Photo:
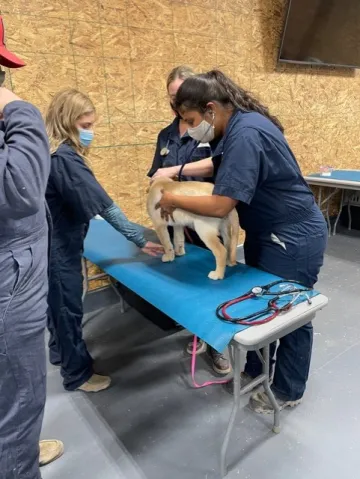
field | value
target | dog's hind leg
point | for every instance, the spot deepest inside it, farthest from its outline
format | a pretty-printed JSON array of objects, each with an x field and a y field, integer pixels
[
  {"x": 164, "y": 237},
  {"x": 210, "y": 236},
  {"x": 179, "y": 240},
  {"x": 230, "y": 232}
]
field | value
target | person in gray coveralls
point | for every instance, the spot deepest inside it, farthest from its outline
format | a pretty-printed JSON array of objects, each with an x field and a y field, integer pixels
[{"x": 24, "y": 170}]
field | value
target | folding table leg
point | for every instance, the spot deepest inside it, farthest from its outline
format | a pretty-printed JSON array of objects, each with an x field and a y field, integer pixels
[
  {"x": 236, "y": 405},
  {"x": 85, "y": 278},
  {"x": 121, "y": 299},
  {"x": 266, "y": 384},
  {"x": 349, "y": 215},
  {"x": 339, "y": 212}
]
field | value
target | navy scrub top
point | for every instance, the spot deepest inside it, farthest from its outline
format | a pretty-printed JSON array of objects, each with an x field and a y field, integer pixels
[
  {"x": 181, "y": 149},
  {"x": 74, "y": 197},
  {"x": 255, "y": 165}
]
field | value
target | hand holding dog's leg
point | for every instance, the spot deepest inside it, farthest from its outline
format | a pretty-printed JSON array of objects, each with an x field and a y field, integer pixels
[
  {"x": 164, "y": 237},
  {"x": 179, "y": 240}
]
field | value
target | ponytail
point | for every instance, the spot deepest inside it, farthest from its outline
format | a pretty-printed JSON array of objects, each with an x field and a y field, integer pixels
[{"x": 197, "y": 91}]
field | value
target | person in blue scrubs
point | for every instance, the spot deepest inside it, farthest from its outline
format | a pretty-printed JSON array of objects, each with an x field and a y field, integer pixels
[
  {"x": 75, "y": 197},
  {"x": 174, "y": 147},
  {"x": 24, "y": 171},
  {"x": 256, "y": 172}
]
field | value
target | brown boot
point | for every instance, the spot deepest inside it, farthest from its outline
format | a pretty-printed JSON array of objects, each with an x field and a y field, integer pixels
[
  {"x": 95, "y": 384},
  {"x": 50, "y": 451},
  {"x": 220, "y": 363}
]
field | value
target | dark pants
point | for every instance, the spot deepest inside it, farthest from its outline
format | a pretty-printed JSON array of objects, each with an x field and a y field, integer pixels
[
  {"x": 65, "y": 314},
  {"x": 23, "y": 292},
  {"x": 301, "y": 260}
]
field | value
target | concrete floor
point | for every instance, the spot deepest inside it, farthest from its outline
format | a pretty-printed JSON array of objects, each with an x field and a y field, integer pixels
[{"x": 151, "y": 425}]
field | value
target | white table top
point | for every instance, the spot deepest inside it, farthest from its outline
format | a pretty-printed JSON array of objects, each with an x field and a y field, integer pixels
[
  {"x": 257, "y": 337},
  {"x": 332, "y": 182}
]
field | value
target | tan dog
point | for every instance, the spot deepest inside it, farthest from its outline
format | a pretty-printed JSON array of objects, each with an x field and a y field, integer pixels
[{"x": 209, "y": 229}]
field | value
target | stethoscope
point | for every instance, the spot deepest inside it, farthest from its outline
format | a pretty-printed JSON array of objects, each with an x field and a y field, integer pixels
[
  {"x": 272, "y": 310},
  {"x": 165, "y": 150}
]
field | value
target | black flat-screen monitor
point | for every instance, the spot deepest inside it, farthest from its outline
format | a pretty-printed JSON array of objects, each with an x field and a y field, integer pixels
[{"x": 322, "y": 32}]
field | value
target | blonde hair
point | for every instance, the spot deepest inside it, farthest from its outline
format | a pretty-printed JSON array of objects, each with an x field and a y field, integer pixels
[
  {"x": 65, "y": 109},
  {"x": 181, "y": 72}
]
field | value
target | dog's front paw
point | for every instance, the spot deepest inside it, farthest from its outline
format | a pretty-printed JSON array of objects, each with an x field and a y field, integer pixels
[
  {"x": 168, "y": 257},
  {"x": 215, "y": 275},
  {"x": 180, "y": 250}
]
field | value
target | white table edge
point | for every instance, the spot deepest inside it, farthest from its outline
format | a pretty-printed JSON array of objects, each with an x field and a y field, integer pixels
[
  {"x": 323, "y": 181},
  {"x": 256, "y": 335}
]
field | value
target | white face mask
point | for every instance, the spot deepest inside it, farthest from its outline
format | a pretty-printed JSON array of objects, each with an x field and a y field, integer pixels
[{"x": 204, "y": 132}]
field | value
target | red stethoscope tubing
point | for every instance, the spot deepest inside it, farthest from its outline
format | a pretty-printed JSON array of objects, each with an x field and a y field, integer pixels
[
  {"x": 272, "y": 308},
  {"x": 247, "y": 322}
]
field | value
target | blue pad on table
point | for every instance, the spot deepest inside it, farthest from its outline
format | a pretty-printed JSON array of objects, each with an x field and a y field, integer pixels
[
  {"x": 180, "y": 289},
  {"x": 345, "y": 175}
]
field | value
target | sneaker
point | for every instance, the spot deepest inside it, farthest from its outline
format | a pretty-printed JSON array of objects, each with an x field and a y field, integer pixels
[
  {"x": 95, "y": 384},
  {"x": 50, "y": 451},
  {"x": 260, "y": 403},
  {"x": 220, "y": 363},
  {"x": 201, "y": 347},
  {"x": 245, "y": 379}
]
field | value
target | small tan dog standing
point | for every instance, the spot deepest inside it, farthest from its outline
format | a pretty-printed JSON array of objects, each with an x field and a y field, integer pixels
[{"x": 209, "y": 229}]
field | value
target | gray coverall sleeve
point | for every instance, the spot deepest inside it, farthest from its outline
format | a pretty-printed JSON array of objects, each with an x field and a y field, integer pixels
[{"x": 24, "y": 161}]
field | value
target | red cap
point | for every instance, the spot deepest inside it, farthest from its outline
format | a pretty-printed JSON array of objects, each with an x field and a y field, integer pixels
[{"x": 7, "y": 59}]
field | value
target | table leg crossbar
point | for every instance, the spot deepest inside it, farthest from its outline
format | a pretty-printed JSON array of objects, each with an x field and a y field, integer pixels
[
  {"x": 88, "y": 278},
  {"x": 324, "y": 205},
  {"x": 264, "y": 379}
]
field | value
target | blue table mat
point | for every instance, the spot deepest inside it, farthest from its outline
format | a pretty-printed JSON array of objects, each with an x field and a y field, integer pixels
[
  {"x": 180, "y": 289},
  {"x": 346, "y": 175}
]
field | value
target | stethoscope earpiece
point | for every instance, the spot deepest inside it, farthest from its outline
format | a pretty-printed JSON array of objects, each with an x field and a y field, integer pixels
[{"x": 164, "y": 151}]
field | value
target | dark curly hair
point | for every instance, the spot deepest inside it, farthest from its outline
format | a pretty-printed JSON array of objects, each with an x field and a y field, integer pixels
[{"x": 198, "y": 90}]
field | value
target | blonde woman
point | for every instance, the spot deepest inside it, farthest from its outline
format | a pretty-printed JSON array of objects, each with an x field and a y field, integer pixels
[
  {"x": 175, "y": 147},
  {"x": 74, "y": 197}
]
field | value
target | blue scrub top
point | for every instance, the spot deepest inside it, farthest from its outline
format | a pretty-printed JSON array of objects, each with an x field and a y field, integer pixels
[
  {"x": 74, "y": 197},
  {"x": 255, "y": 165},
  {"x": 181, "y": 149}
]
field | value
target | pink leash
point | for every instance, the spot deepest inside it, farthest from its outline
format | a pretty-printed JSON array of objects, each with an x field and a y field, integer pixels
[{"x": 193, "y": 369}]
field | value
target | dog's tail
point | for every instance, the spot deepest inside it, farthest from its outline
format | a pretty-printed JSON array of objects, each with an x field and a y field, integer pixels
[{"x": 154, "y": 195}]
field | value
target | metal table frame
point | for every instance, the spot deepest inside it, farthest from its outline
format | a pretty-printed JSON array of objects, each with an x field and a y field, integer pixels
[
  {"x": 346, "y": 188},
  {"x": 256, "y": 339},
  {"x": 87, "y": 279},
  {"x": 259, "y": 339}
]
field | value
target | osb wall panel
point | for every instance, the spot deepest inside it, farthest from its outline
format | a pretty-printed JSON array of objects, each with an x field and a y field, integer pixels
[{"x": 120, "y": 51}]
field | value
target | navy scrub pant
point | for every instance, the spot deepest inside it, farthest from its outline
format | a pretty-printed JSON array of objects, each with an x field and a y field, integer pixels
[
  {"x": 300, "y": 258},
  {"x": 23, "y": 305},
  {"x": 65, "y": 314}
]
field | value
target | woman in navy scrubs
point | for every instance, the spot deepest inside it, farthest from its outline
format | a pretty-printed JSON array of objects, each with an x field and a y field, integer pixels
[
  {"x": 174, "y": 147},
  {"x": 257, "y": 173},
  {"x": 75, "y": 197}
]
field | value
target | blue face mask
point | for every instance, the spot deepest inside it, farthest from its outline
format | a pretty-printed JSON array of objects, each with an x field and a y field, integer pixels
[{"x": 86, "y": 137}]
